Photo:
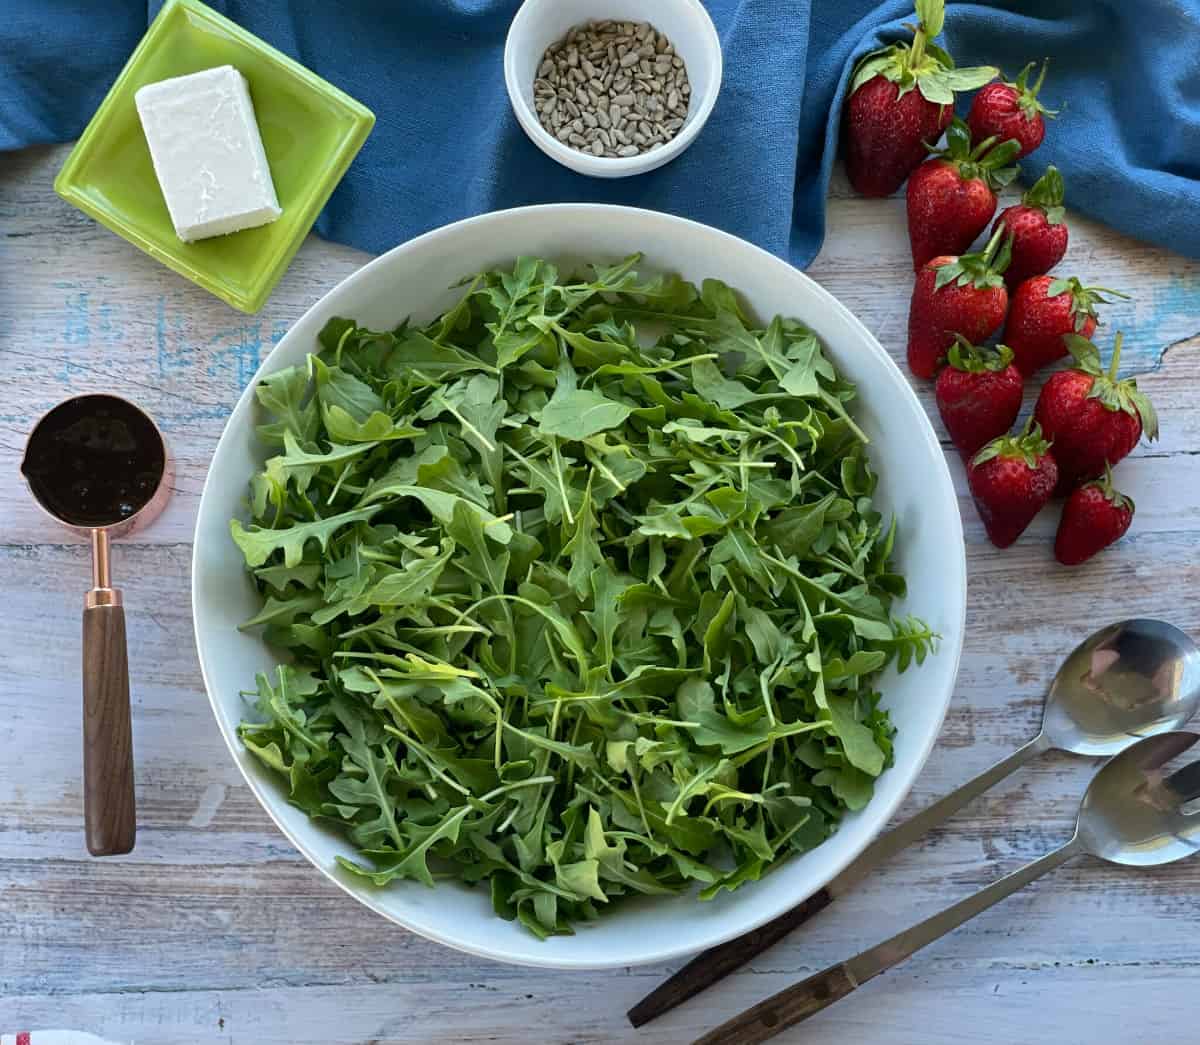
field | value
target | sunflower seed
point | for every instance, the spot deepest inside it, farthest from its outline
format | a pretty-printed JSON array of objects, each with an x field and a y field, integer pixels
[{"x": 612, "y": 88}]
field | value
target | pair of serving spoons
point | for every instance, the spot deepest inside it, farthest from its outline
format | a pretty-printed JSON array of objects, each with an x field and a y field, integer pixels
[{"x": 1122, "y": 693}]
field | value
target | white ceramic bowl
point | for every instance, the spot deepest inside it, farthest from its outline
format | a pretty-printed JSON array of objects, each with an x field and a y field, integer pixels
[
  {"x": 539, "y": 23},
  {"x": 914, "y": 483}
]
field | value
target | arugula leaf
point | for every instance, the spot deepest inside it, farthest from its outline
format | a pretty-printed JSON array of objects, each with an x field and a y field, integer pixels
[
  {"x": 337, "y": 387},
  {"x": 258, "y": 544},
  {"x": 576, "y": 413},
  {"x": 285, "y": 395}
]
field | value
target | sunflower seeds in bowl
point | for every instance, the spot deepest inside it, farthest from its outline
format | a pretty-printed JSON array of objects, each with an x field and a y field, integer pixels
[{"x": 612, "y": 88}]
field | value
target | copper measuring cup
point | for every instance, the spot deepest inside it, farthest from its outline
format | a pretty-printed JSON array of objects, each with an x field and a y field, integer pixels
[{"x": 99, "y": 465}]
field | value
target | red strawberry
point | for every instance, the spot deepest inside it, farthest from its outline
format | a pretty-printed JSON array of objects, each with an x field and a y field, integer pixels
[
  {"x": 901, "y": 99},
  {"x": 1038, "y": 230},
  {"x": 1043, "y": 309},
  {"x": 1094, "y": 517},
  {"x": 978, "y": 395},
  {"x": 952, "y": 197},
  {"x": 1011, "y": 479},
  {"x": 1093, "y": 418},
  {"x": 963, "y": 295},
  {"x": 887, "y": 133},
  {"x": 1011, "y": 110}
]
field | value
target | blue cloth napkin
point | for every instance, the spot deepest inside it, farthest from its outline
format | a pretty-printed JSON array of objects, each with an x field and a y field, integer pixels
[{"x": 446, "y": 144}]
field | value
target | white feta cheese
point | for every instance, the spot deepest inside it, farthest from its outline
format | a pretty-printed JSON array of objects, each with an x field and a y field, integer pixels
[{"x": 207, "y": 153}]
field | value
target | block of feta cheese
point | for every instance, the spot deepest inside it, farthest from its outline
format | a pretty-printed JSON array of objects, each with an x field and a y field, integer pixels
[{"x": 207, "y": 153}]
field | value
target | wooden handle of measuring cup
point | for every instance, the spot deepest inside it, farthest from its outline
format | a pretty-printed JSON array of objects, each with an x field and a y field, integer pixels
[{"x": 108, "y": 801}]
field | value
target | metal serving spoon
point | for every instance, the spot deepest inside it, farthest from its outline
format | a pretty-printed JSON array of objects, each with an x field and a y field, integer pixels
[
  {"x": 1133, "y": 813},
  {"x": 1132, "y": 679}
]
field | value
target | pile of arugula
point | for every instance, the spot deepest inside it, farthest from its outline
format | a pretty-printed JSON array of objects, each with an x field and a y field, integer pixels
[{"x": 583, "y": 589}]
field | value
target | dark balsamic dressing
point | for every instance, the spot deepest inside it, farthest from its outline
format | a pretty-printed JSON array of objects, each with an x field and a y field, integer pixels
[{"x": 94, "y": 460}]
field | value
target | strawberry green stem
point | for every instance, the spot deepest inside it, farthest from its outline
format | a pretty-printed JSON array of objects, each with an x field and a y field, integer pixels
[
  {"x": 983, "y": 147},
  {"x": 1041, "y": 78},
  {"x": 917, "y": 51},
  {"x": 1116, "y": 356},
  {"x": 930, "y": 17},
  {"x": 989, "y": 252}
]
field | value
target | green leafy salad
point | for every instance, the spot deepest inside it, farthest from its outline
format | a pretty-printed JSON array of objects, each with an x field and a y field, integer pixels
[{"x": 582, "y": 588}]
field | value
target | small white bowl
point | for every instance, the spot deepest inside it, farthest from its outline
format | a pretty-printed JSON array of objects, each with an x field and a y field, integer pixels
[{"x": 540, "y": 23}]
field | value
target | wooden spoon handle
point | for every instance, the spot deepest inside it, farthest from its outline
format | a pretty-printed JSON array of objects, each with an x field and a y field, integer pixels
[
  {"x": 718, "y": 962},
  {"x": 788, "y": 1007},
  {"x": 108, "y": 801}
]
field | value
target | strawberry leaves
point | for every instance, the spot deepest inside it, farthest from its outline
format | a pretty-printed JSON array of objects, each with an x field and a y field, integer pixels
[
  {"x": 987, "y": 160},
  {"x": 932, "y": 15},
  {"x": 1123, "y": 395},
  {"x": 1028, "y": 445},
  {"x": 975, "y": 359},
  {"x": 1083, "y": 299},
  {"x": 1047, "y": 194},
  {"x": 982, "y": 270},
  {"x": 922, "y": 64},
  {"x": 1109, "y": 491},
  {"x": 1027, "y": 97}
]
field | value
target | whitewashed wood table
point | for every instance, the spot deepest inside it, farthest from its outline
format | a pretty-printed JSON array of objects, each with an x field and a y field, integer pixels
[{"x": 215, "y": 930}]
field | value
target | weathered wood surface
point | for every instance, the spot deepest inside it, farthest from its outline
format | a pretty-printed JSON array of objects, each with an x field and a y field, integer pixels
[{"x": 215, "y": 930}]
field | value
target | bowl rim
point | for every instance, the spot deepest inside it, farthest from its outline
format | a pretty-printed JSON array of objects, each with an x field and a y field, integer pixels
[
  {"x": 611, "y": 166},
  {"x": 664, "y": 951}
]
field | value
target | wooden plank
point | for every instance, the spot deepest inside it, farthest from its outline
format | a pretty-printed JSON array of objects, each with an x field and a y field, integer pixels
[
  {"x": 934, "y": 1007},
  {"x": 215, "y": 918}
]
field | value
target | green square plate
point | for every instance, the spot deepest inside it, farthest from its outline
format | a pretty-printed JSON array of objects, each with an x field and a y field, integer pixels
[{"x": 310, "y": 130}]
